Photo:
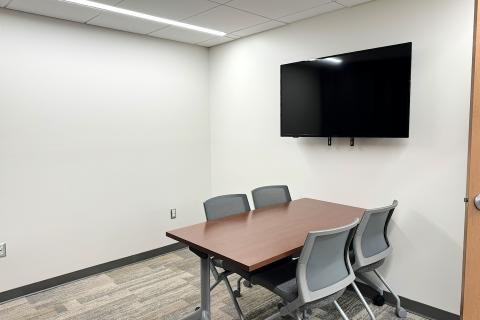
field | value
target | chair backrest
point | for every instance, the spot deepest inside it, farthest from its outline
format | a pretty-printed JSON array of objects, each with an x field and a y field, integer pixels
[
  {"x": 371, "y": 243},
  {"x": 270, "y": 195},
  {"x": 324, "y": 266},
  {"x": 227, "y": 205}
]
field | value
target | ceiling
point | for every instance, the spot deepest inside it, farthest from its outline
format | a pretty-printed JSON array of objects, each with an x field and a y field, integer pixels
[{"x": 238, "y": 18}]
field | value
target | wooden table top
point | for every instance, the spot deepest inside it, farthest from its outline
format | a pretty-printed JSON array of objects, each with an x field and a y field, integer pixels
[{"x": 257, "y": 238}]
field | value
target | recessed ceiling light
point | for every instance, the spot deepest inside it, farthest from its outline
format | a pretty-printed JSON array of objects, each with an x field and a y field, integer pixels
[{"x": 144, "y": 16}]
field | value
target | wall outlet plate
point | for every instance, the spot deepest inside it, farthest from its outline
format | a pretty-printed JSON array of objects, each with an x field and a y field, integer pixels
[
  {"x": 173, "y": 213},
  {"x": 3, "y": 249}
]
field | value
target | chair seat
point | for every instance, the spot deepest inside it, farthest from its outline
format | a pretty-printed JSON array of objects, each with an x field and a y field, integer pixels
[
  {"x": 234, "y": 268},
  {"x": 280, "y": 279},
  {"x": 369, "y": 267},
  {"x": 219, "y": 263},
  {"x": 231, "y": 268}
]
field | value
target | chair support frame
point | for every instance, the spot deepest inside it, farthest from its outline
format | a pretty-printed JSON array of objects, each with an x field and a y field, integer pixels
[{"x": 362, "y": 263}]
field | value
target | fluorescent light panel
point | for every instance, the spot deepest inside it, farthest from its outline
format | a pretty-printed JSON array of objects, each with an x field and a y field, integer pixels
[{"x": 140, "y": 15}]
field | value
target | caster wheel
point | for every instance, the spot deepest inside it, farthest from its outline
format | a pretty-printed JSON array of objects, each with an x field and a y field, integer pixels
[
  {"x": 237, "y": 294},
  {"x": 247, "y": 284},
  {"x": 379, "y": 300},
  {"x": 401, "y": 313},
  {"x": 197, "y": 308}
]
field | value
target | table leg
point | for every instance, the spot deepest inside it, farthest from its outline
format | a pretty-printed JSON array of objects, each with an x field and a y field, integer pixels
[{"x": 204, "y": 312}]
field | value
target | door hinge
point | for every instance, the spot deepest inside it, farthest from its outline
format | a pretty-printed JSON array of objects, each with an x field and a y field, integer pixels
[{"x": 465, "y": 200}]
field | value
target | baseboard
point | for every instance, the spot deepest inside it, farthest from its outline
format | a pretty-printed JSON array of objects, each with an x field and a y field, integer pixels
[
  {"x": 76, "y": 275},
  {"x": 418, "y": 308}
]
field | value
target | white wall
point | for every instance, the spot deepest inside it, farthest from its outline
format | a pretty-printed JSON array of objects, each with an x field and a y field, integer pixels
[
  {"x": 426, "y": 173},
  {"x": 101, "y": 133}
]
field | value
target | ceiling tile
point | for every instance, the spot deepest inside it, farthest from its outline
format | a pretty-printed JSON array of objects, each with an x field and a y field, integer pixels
[
  {"x": 258, "y": 28},
  {"x": 233, "y": 36},
  {"x": 181, "y": 34},
  {"x": 275, "y": 8},
  {"x": 57, "y": 9},
  {"x": 171, "y": 9},
  {"x": 215, "y": 41},
  {"x": 226, "y": 19},
  {"x": 351, "y": 3},
  {"x": 311, "y": 12},
  {"x": 109, "y": 2},
  {"x": 125, "y": 23}
]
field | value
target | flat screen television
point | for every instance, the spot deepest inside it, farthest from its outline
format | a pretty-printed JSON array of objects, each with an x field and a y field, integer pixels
[{"x": 358, "y": 94}]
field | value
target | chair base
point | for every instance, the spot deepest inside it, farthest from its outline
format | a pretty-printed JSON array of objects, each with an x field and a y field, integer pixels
[
  {"x": 237, "y": 293},
  {"x": 379, "y": 300},
  {"x": 219, "y": 277},
  {"x": 401, "y": 313},
  {"x": 342, "y": 313},
  {"x": 303, "y": 312},
  {"x": 362, "y": 299}
]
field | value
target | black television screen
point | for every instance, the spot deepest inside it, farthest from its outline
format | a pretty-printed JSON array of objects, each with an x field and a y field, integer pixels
[{"x": 358, "y": 94}]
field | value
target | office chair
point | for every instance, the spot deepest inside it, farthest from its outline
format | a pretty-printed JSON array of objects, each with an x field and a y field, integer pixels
[
  {"x": 270, "y": 195},
  {"x": 220, "y": 207},
  {"x": 370, "y": 249},
  {"x": 318, "y": 278}
]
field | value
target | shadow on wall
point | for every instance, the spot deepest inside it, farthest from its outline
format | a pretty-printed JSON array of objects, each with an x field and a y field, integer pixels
[
  {"x": 359, "y": 142},
  {"x": 436, "y": 239}
]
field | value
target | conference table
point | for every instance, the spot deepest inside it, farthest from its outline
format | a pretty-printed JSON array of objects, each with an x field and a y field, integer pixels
[{"x": 255, "y": 239}]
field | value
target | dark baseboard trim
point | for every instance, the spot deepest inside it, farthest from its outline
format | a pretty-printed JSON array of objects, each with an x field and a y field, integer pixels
[
  {"x": 418, "y": 308},
  {"x": 76, "y": 275}
]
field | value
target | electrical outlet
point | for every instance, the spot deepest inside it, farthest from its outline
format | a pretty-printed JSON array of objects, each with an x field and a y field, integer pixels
[
  {"x": 3, "y": 249},
  {"x": 173, "y": 213}
]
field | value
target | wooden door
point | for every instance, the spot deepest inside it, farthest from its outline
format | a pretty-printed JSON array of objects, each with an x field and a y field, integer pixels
[{"x": 470, "y": 309}]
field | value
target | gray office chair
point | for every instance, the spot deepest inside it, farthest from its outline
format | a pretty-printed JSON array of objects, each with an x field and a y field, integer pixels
[
  {"x": 270, "y": 195},
  {"x": 318, "y": 278},
  {"x": 220, "y": 207},
  {"x": 371, "y": 247}
]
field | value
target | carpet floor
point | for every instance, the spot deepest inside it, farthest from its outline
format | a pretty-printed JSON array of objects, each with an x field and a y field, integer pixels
[{"x": 162, "y": 288}]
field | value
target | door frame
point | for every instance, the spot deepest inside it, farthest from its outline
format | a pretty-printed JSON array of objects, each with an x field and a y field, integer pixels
[{"x": 470, "y": 303}]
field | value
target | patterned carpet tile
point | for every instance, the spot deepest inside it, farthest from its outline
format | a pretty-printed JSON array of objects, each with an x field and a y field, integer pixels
[{"x": 162, "y": 288}]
